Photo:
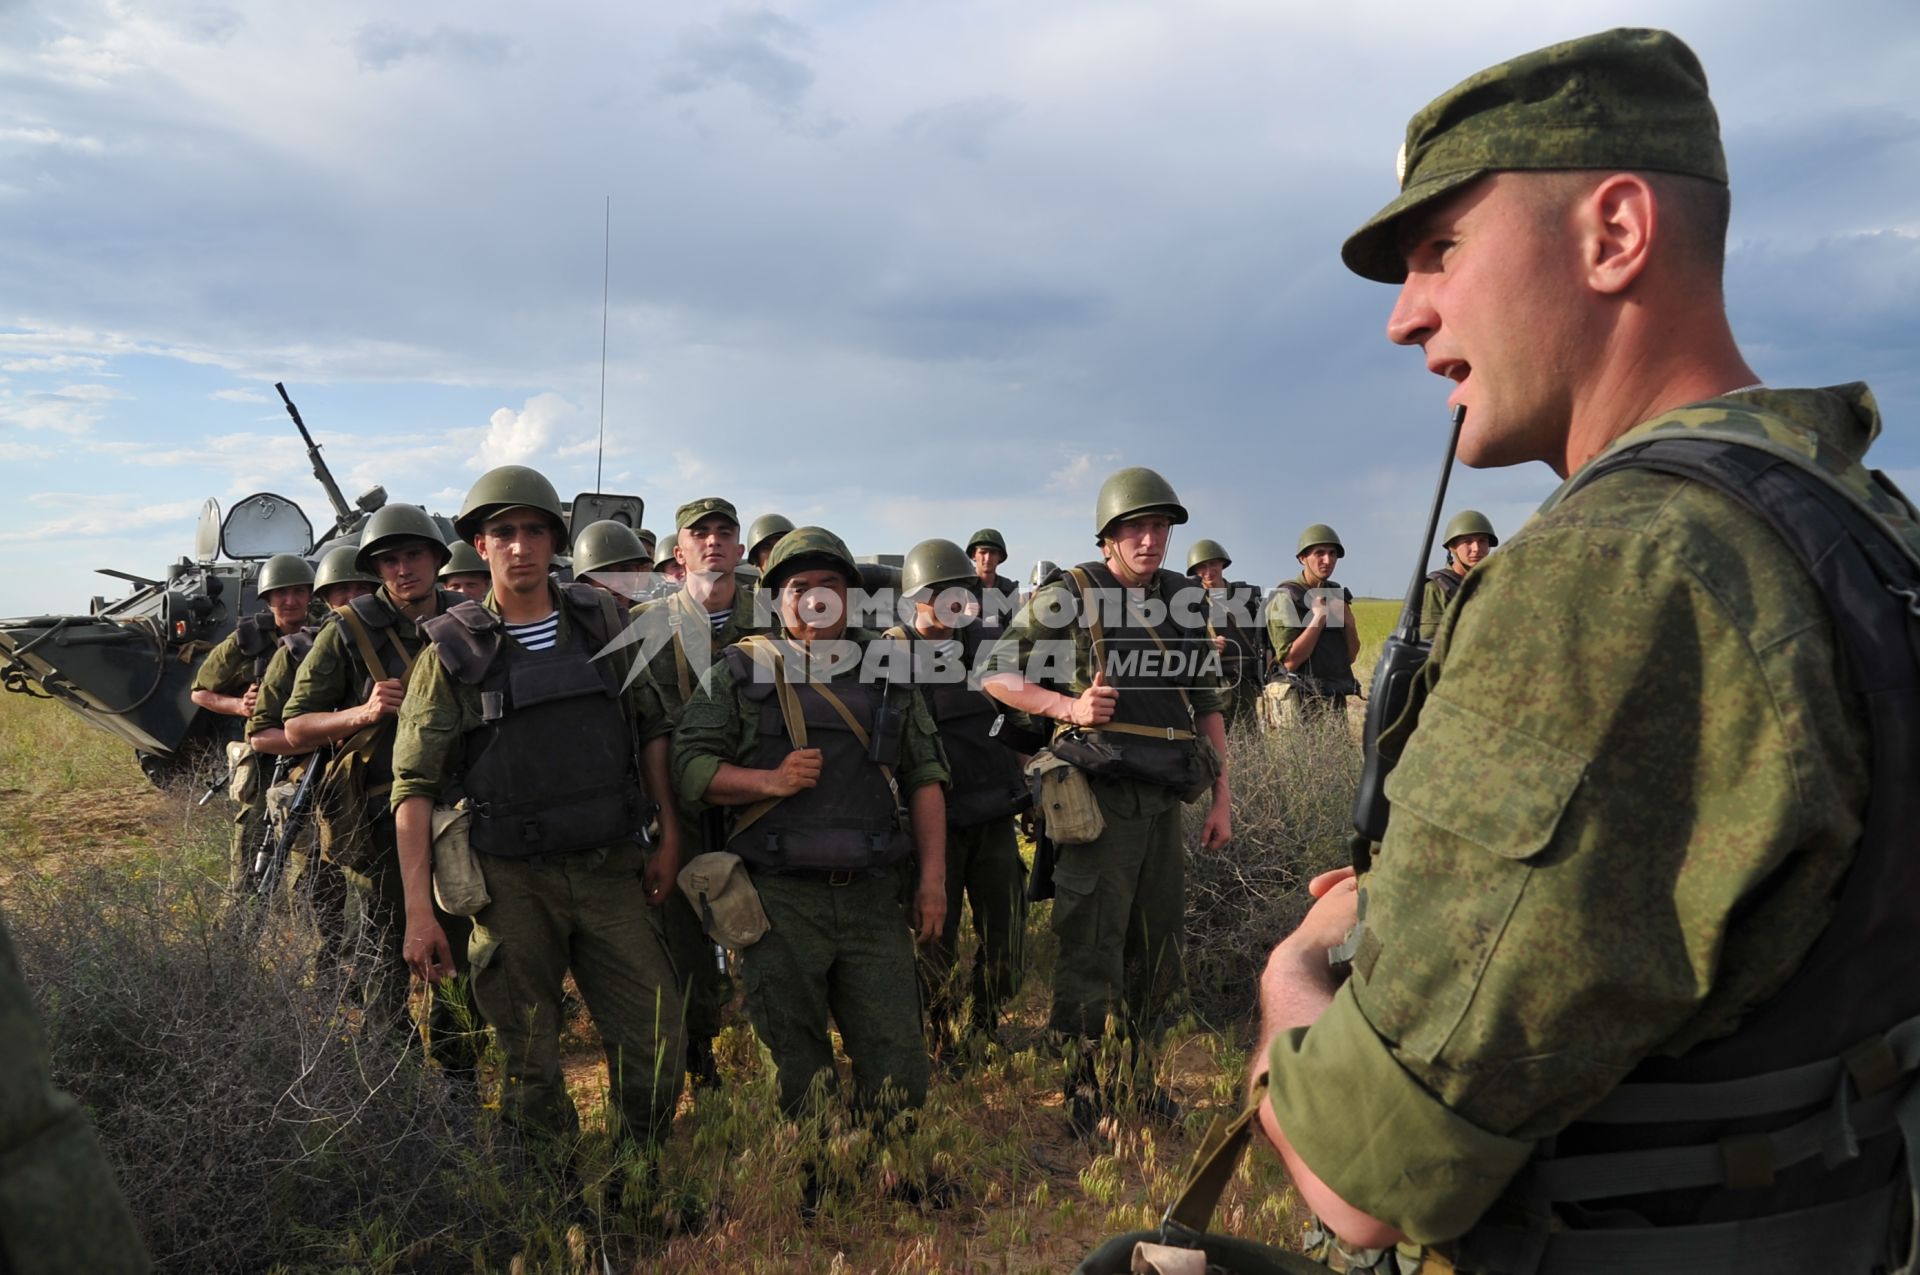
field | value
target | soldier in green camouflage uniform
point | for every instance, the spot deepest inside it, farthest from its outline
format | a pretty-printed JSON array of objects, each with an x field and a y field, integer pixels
[
  {"x": 682, "y": 635},
  {"x": 338, "y": 581},
  {"x": 60, "y": 1209},
  {"x": 1468, "y": 540},
  {"x": 339, "y": 698},
  {"x": 1120, "y": 905},
  {"x": 763, "y": 536},
  {"x": 1311, "y": 626},
  {"x": 1243, "y": 649},
  {"x": 825, "y": 832},
  {"x": 515, "y": 713},
  {"x": 228, "y": 683},
  {"x": 986, "y": 793},
  {"x": 1633, "y": 779}
]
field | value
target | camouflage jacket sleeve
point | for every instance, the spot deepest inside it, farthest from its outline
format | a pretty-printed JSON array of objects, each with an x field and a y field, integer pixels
[
  {"x": 1044, "y": 643},
  {"x": 1433, "y": 604},
  {"x": 1630, "y": 792},
  {"x": 922, "y": 760},
  {"x": 717, "y": 725},
  {"x": 275, "y": 685},
  {"x": 430, "y": 735},
  {"x": 60, "y": 1208},
  {"x": 225, "y": 671},
  {"x": 326, "y": 681}
]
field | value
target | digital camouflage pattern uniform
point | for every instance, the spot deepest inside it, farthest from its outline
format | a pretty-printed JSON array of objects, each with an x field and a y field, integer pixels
[
  {"x": 334, "y": 676},
  {"x": 1656, "y": 678},
  {"x": 1119, "y": 908},
  {"x": 580, "y": 911},
  {"x": 840, "y": 949},
  {"x": 229, "y": 670},
  {"x": 708, "y": 987},
  {"x": 60, "y": 1209}
]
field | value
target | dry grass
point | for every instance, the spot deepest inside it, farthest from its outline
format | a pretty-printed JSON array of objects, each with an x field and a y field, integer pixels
[{"x": 257, "y": 1128}]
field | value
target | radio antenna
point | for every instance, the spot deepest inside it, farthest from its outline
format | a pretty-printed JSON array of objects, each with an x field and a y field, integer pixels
[{"x": 606, "y": 273}]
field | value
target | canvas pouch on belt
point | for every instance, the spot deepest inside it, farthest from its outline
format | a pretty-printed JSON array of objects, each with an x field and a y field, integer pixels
[
  {"x": 717, "y": 885},
  {"x": 244, "y": 764},
  {"x": 458, "y": 885},
  {"x": 1064, "y": 799}
]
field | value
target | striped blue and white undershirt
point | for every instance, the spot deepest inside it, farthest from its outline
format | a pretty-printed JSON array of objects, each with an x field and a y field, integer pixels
[{"x": 539, "y": 635}]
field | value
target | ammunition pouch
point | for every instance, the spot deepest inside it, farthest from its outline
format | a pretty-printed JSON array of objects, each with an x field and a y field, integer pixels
[
  {"x": 1168, "y": 763},
  {"x": 243, "y": 785},
  {"x": 1065, "y": 800},
  {"x": 459, "y": 887},
  {"x": 722, "y": 894}
]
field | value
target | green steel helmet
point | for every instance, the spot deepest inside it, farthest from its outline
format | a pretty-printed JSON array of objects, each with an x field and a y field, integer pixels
[
  {"x": 1320, "y": 534},
  {"x": 663, "y": 558},
  {"x": 392, "y": 524},
  {"x": 466, "y": 561},
  {"x": 340, "y": 566},
  {"x": 605, "y": 544},
  {"x": 282, "y": 571},
  {"x": 985, "y": 536},
  {"x": 512, "y": 487},
  {"x": 1470, "y": 522},
  {"x": 1207, "y": 551},
  {"x": 766, "y": 527},
  {"x": 933, "y": 563},
  {"x": 809, "y": 548},
  {"x": 1132, "y": 492},
  {"x": 647, "y": 541}
]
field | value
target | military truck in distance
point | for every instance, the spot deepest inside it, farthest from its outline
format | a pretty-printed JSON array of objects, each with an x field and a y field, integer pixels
[{"x": 127, "y": 666}]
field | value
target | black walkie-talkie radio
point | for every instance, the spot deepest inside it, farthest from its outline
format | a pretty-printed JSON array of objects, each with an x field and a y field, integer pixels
[{"x": 1400, "y": 662}]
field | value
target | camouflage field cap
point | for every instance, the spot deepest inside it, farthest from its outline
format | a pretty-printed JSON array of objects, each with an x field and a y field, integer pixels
[
  {"x": 1623, "y": 99},
  {"x": 694, "y": 510},
  {"x": 807, "y": 549}
]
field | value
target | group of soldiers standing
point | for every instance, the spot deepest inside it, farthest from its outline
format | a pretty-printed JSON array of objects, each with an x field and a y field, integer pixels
[{"x": 559, "y": 723}]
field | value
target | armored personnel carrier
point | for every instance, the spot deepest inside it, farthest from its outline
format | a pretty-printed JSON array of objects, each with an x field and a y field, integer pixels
[{"x": 127, "y": 666}]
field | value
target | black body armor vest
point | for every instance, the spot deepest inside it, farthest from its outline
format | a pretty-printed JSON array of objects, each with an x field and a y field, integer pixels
[
  {"x": 851, "y": 821},
  {"x": 987, "y": 783},
  {"x": 555, "y": 767},
  {"x": 256, "y": 636},
  {"x": 1327, "y": 671},
  {"x": 1447, "y": 582}
]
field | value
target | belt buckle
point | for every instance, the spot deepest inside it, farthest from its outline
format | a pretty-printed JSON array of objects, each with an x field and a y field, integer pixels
[{"x": 840, "y": 876}]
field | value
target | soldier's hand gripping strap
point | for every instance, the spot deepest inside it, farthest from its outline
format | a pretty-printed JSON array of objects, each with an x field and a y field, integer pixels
[
  {"x": 765, "y": 653},
  {"x": 1097, "y": 640},
  {"x": 467, "y": 639}
]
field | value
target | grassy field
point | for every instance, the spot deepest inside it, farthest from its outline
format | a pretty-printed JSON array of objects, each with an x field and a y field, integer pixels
[{"x": 256, "y": 1129}]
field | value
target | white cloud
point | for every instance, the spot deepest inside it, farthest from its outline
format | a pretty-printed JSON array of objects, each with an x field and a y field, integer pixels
[
  {"x": 240, "y": 396},
  {"x": 92, "y": 515},
  {"x": 53, "y": 137},
  {"x": 56, "y": 363},
  {"x": 70, "y": 409},
  {"x": 517, "y": 438}
]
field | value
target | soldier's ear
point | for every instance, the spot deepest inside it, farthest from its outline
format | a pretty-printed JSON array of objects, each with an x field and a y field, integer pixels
[{"x": 1616, "y": 224}]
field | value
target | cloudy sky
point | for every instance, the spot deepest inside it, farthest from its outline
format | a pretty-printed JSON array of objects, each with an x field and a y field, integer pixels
[{"x": 903, "y": 269}]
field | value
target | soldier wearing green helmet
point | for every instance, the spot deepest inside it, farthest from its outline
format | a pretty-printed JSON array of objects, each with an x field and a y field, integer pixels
[
  {"x": 1115, "y": 654},
  {"x": 686, "y": 632},
  {"x": 337, "y": 582},
  {"x": 464, "y": 573},
  {"x": 346, "y": 695},
  {"x": 547, "y": 734},
  {"x": 985, "y": 795},
  {"x": 832, "y": 781},
  {"x": 608, "y": 555},
  {"x": 1468, "y": 540},
  {"x": 228, "y": 683},
  {"x": 1317, "y": 665},
  {"x": 763, "y": 535},
  {"x": 1242, "y": 645},
  {"x": 1650, "y": 856},
  {"x": 999, "y": 596}
]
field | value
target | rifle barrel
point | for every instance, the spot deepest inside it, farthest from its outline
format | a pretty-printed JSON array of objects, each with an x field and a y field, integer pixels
[{"x": 343, "y": 512}]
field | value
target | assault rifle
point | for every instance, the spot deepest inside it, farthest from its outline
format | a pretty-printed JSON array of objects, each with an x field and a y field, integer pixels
[
  {"x": 1400, "y": 661},
  {"x": 271, "y": 865}
]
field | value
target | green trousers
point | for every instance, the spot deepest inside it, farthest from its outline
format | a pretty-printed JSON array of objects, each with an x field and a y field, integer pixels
[
  {"x": 705, "y": 987},
  {"x": 984, "y": 870},
  {"x": 452, "y": 1032},
  {"x": 845, "y": 951},
  {"x": 1119, "y": 912},
  {"x": 584, "y": 912}
]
